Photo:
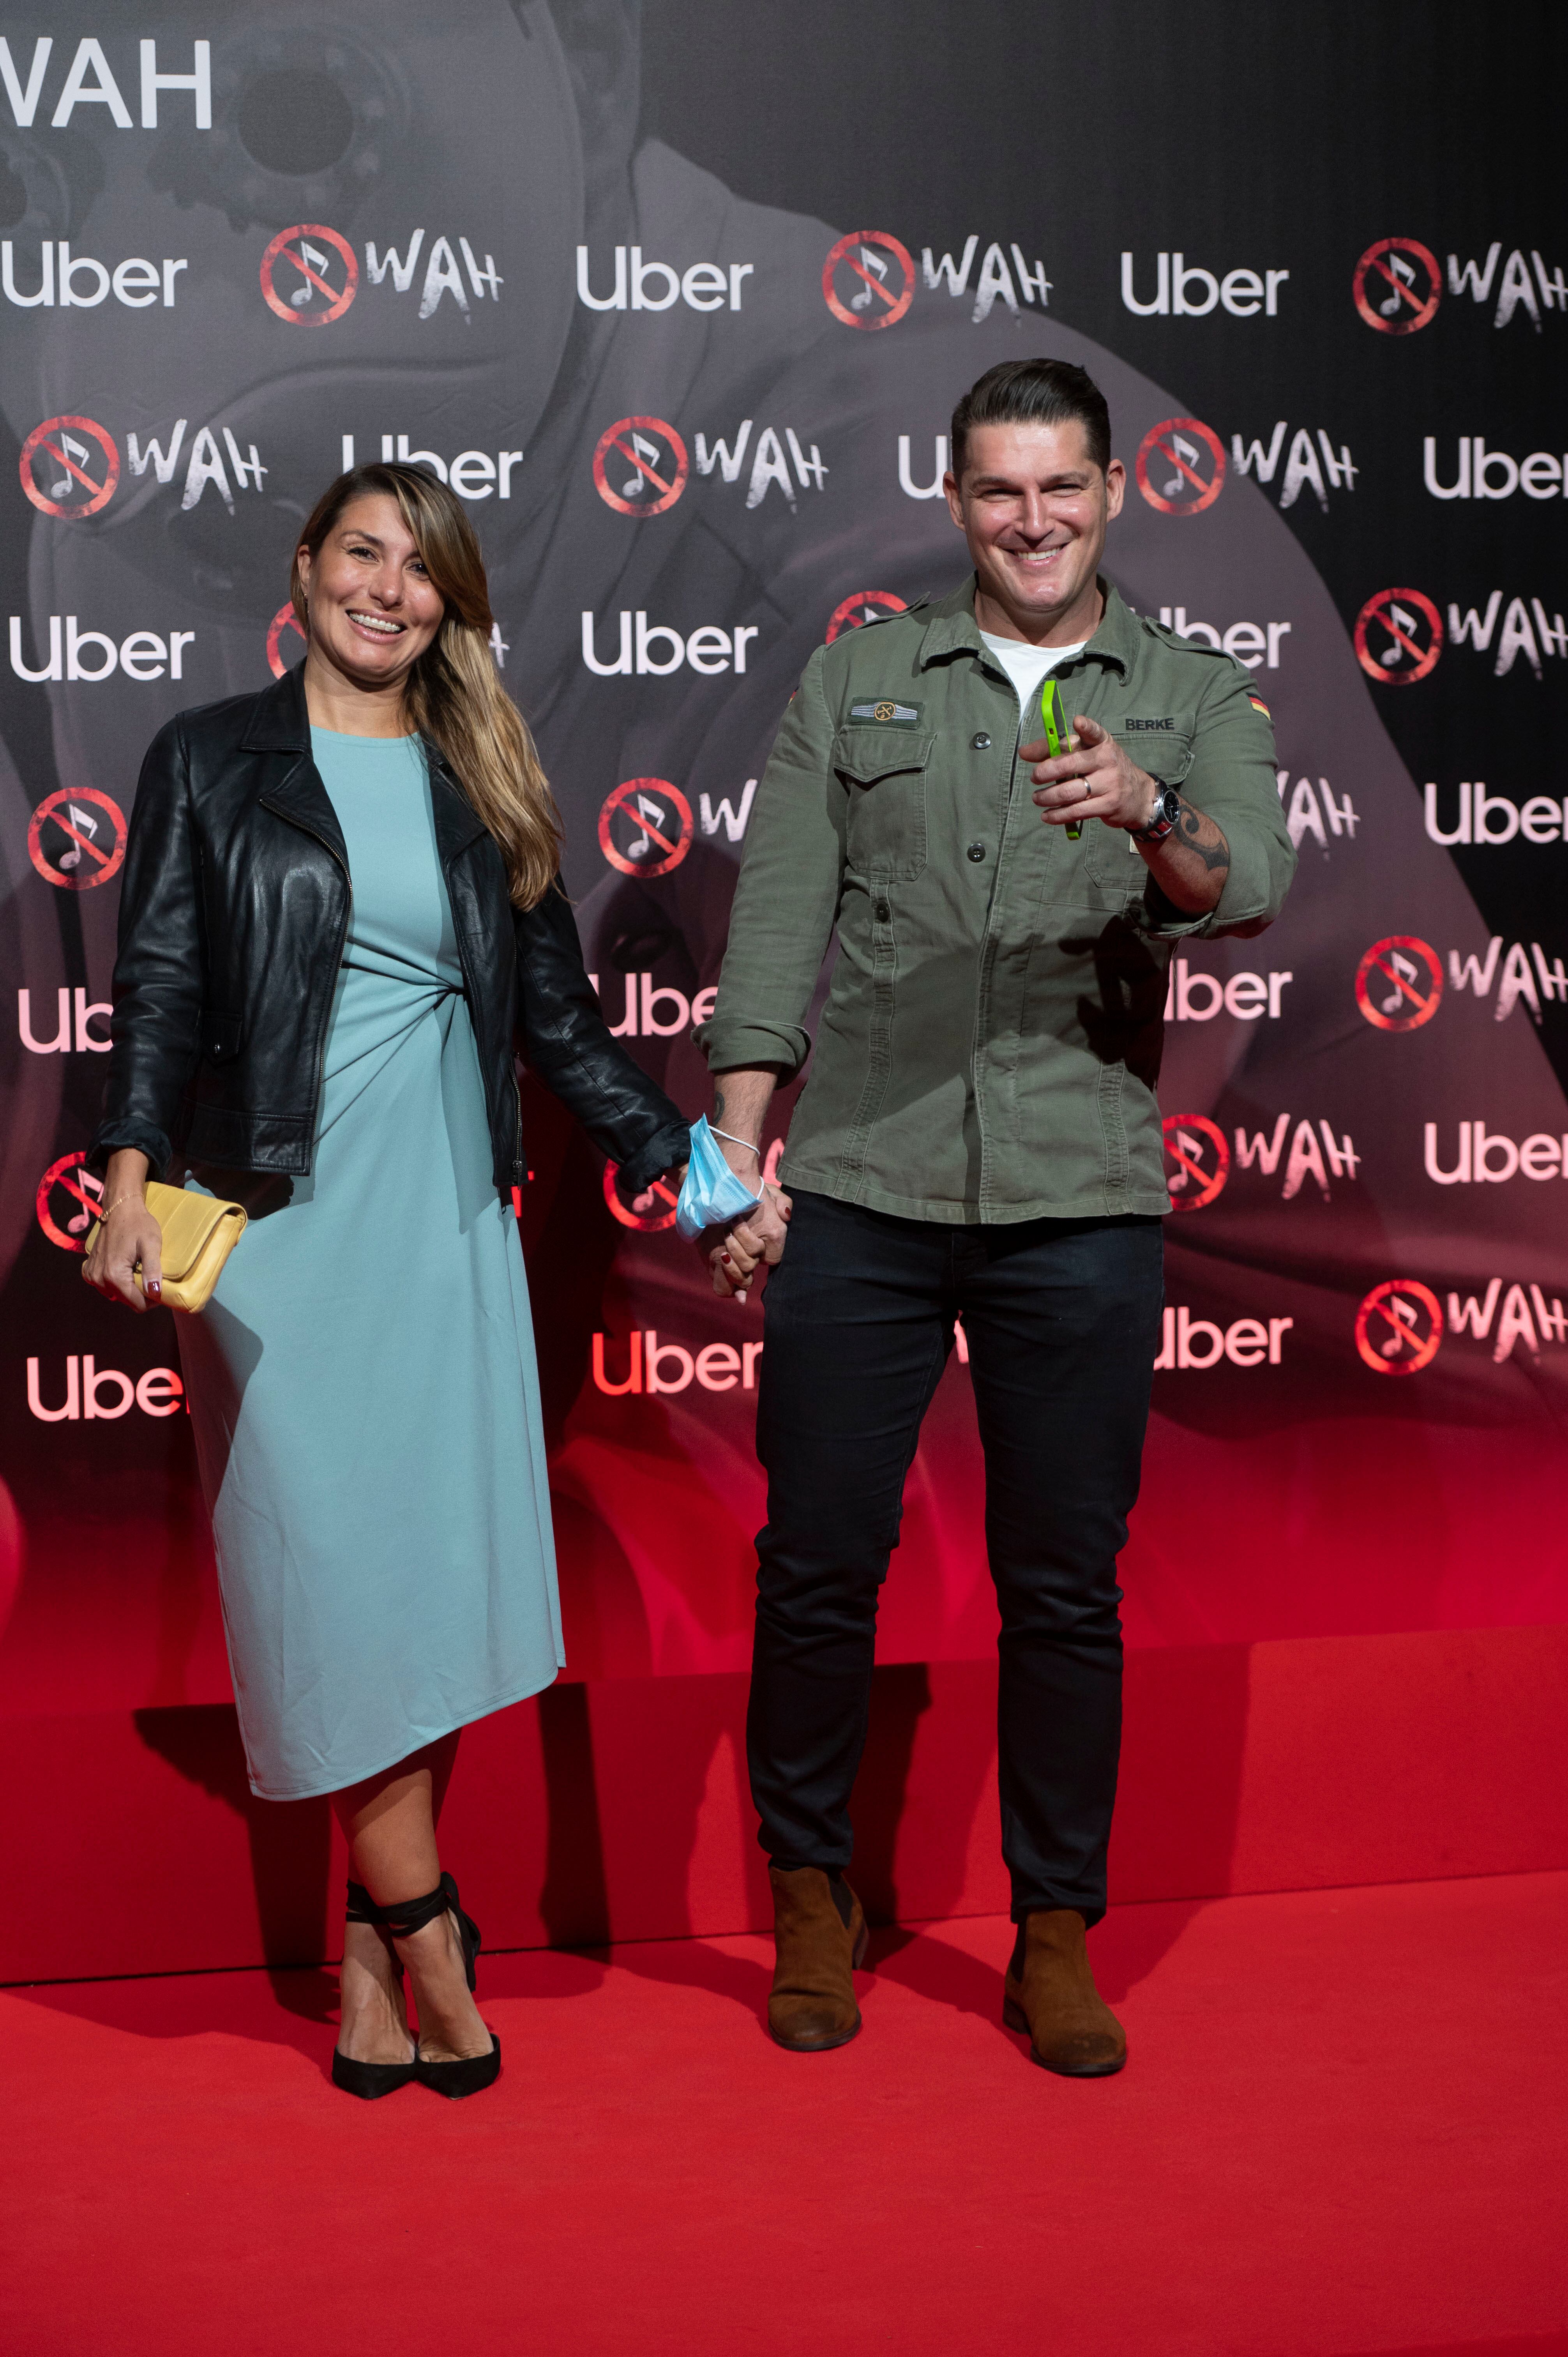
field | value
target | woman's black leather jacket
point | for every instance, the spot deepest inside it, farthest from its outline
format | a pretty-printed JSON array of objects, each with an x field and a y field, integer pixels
[{"x": 233, "y": 912}]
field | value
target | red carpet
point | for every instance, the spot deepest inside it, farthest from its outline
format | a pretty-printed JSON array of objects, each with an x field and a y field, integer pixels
[{"x": 1342, "y": 2132}]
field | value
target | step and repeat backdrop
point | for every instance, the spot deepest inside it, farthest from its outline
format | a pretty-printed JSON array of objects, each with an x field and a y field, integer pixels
[{"x": 698, "y": 434}]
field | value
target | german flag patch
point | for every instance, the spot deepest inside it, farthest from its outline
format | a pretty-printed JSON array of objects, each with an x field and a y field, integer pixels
[{"x": 1258, "y": 704}]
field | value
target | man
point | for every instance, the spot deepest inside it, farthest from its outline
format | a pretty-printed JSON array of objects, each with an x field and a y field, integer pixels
[{"x": 980, "y": 1138}]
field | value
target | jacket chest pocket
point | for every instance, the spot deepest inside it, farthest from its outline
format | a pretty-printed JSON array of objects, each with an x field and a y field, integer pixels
[
  {"x": 1164, "y": 754},
  {"x": 884, "y": 770}
]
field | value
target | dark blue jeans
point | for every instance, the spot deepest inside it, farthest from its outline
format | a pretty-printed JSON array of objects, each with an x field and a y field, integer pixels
[{"x": 1062, "y": 1320}]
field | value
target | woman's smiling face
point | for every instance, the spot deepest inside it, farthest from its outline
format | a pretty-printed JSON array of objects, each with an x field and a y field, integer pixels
[{"x": 373, "y": 607}]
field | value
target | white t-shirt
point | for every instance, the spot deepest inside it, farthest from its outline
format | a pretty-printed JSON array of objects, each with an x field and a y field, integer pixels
[{"x": 1029, "y": 667}]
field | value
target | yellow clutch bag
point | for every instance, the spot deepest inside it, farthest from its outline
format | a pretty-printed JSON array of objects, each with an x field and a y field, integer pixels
[{"x": 200, "y": 1234}]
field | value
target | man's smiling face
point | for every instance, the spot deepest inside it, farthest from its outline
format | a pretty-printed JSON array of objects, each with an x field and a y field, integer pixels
[{"x": 1034, "y": 508}]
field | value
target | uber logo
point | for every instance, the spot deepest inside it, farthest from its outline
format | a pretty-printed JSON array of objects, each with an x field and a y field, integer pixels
[
  {"x": 1244, "y": 995},
  {"x": 143, "y": 655},
  {"x": 134, "y": 282},
  {"x": 702, "y": 285},
  {"x": 1242, "y": 292},
  {"x": 642, "y": 1015},
  {"x": 1486, "y": 1155},
  {"x": 1493, "y": 818},
  {"x": 1541, "y": 476},
  {"x": 656, "y": 1366},
  {"x": 67, "y": 1003},
  {"x": 159, "y": 1391},
  {"x": 707, "y": 648},
  {"x": 1250, "y": 643},
  {"x": 1189, "y": 1343},
  {"x": 104, "y": 90},
  {"x": 472, "y": 474}
]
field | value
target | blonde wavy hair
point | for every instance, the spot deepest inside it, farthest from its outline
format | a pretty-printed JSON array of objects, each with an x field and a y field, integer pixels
[{"x": 453, "y": 695}]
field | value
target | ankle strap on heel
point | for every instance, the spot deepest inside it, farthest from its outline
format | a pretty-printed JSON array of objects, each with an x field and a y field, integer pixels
[
  {"x": 403, "y": 1916},
  {"x": 409, "y": 1915}
]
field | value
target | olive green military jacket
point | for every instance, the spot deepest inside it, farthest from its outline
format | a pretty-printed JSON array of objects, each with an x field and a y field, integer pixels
[{"x": 991, "y": 1042}]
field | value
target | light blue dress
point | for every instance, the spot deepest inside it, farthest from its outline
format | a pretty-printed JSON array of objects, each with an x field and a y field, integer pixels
[{"x": 362, "y": 1383}]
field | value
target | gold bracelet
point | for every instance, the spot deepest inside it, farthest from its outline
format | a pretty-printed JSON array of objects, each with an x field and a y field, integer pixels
[{"x": 105, "y": 1209}]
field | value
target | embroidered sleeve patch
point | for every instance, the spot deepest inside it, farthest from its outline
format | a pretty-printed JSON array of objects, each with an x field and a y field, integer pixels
[
  {"x": 887, "y": 711},
  {"x": 1259, "y": 706}
]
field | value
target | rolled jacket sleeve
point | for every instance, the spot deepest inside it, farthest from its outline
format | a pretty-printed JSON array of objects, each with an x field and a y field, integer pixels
[
  {"x": 788, "y": 897},
  {"x": 1232, "y": 778}
]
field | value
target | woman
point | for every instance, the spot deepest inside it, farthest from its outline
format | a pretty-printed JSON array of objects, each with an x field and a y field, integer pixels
[{"x": 341, "y": 910}]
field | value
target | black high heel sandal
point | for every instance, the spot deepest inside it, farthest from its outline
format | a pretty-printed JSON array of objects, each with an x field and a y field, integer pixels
[
  {"x": 465, "y": 2074},
  {"x": 370, "y": 2080}
]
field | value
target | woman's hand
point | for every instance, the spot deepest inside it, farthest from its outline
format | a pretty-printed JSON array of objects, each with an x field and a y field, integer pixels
[
  {"x": 760, "y": 1237},
  {"x": 127, "y": 1233}
]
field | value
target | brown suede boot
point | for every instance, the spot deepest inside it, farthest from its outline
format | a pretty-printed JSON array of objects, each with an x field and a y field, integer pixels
[
  {"x": 1049, "y": 1994},
  {"x": 811, "y": 2006}
]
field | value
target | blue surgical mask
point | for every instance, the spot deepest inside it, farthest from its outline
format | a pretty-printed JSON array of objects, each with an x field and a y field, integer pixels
[{"x": 711, "y": 1194}]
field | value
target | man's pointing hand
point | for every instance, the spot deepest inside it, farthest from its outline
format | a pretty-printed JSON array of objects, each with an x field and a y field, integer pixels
[{"x": 1117, "y": 791}]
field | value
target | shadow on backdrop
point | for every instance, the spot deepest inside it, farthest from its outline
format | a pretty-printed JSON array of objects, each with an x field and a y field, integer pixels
[{"x": 289, "y": 1843}]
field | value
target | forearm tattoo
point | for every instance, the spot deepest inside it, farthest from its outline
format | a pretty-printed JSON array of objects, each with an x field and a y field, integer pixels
[{"x": 1190, "y": 827}]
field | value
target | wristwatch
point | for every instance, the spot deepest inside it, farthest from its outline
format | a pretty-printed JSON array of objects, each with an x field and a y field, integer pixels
[{"x": 1168, "y": 810}]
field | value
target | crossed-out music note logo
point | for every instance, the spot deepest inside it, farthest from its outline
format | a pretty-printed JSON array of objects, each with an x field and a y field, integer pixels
[
  {"x": 868, "y": 279},
  {"x": 1399, "y": 637},
  {"x": 309, "y": 275},
  {"x": 1399, "y": 1326},
  {"x": 1197, "y": 1161},
  {"x": 278, "y": 653},
  {"x": 1181, "y": 465},
  {"x": 76, "y": 838},
  {"x": 647, "y": 1212},
  {"x": 640, "y": 466},
  {"x": 861, "y": 607},
  {"x": 1398, "y": 983},
  {"x": 68, "y": 1200},
  {"x": 645, "y": 827},
  {"x": 70, "y": 467},
  {"x": 1405, "y": 286}
]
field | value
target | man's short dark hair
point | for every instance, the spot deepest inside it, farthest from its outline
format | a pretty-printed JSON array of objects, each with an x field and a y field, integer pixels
[{"x": 1032, "y": 393}]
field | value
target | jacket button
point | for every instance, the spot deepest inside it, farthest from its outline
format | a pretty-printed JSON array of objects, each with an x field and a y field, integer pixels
[
  {"x": 979, "y": 741},
  {"x": 977, "y": 851},
  {"x": 883, "y": 913}
]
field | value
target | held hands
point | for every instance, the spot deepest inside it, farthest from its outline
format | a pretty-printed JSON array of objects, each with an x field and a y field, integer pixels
[
  {"x": 1118, "y": 791},
  {"x": 757, "y": 1239}
]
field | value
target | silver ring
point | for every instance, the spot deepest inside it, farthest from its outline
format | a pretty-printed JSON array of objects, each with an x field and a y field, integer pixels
[{"x": 1087, "y": 789}]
